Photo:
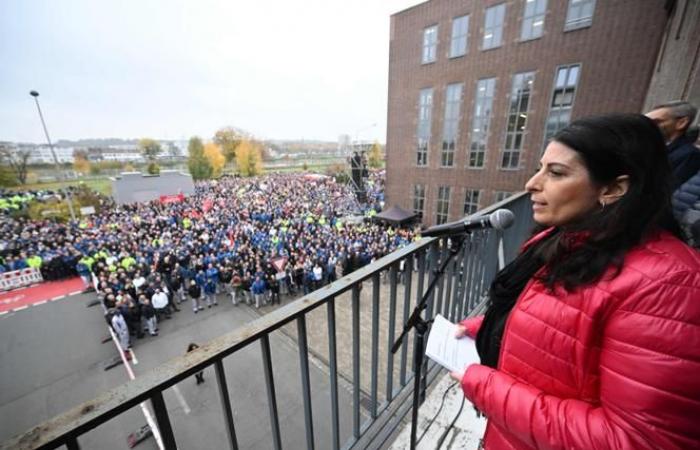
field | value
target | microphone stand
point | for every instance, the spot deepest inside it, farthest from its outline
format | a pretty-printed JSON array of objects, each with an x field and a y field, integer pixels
[{"x": 421, "y": 326}]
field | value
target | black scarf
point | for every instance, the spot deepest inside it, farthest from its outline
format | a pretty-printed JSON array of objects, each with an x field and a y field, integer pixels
[{"x": 505, "y": 290}]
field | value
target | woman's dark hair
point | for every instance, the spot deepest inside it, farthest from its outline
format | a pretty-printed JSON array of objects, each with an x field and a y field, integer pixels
[{"x": 610, "y": 146}]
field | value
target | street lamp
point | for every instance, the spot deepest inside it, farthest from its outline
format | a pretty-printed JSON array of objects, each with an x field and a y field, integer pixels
[{"x": 35, "y": 94}]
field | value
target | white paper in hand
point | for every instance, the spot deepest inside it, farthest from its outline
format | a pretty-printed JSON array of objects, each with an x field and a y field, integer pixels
[{"x": 450, "y": 352}]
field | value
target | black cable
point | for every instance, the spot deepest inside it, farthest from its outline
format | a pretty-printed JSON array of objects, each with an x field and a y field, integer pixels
[
  {"x": 444, "y": 434},
  {"x": 442, "y": 403}
]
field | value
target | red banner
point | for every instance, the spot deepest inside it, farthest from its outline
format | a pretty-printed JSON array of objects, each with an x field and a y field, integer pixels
[{"x": 165, "y": 199}]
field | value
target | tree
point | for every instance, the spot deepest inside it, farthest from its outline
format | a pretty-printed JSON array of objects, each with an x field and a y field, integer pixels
[
  {"x": 376, "y": 157},
  {"x": 215, "y": 157},
  {"x": 17, "y": 161},
  {"x": 228, "y": 139},
  {"x": 248, "y": 158},
  {"x": 150, "y": 149},
  {"x": 197, "y": 163},
  {"x": 80, "y": 162},
  {"x": 153, "y": 169}
]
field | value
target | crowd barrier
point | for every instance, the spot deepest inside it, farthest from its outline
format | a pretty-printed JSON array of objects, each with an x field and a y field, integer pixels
[{"x": 19, "y": 278}]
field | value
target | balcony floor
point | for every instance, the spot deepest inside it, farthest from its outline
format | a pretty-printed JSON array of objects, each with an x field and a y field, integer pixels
[{"x": 464, "y": 435}]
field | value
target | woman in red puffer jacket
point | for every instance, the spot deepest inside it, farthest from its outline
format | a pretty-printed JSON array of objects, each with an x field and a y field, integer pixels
[{"x": 592, "y": 335}]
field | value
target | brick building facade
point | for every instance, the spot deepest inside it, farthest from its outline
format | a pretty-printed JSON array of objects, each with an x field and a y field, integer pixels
[{"x": 476, "y": 88}]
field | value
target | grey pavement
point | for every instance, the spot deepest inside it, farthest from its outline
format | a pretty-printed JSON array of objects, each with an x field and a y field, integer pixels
[{"x": 52, "y": 359}]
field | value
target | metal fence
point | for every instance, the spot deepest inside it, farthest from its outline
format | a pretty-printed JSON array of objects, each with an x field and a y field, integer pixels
[{"x": 366, "y": 308}]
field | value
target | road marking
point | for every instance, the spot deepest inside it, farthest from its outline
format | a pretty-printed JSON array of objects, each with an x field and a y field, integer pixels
[
  {"x": 2, "y": 313},
  {"x": 133, "y": 357},
  {"x": 75, "y": 292},
  {"x": 181, "y": 399},
  {"x": 57, "y": 298},
  {"x": 20, "y": 308},
  {"x": 40, "y": 303}
]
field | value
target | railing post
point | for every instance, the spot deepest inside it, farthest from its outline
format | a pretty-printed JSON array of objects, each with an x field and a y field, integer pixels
[
  {"x": 408, "y": 284},
  {"x": 72, "y": 444},
  {"x": 271, "y": 396},
  {"x": 375, "y": 344},
  {"x": 390, "y": 333},
  {"x": 356, "y": 361},
  {"x": 333, "y": 363},
  {"x": 163, "y": 421},
  {"x": 305, "y": 382},
  {"x": 226, "y": 404}
]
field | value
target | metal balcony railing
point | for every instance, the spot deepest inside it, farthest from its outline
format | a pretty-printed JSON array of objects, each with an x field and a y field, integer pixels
[{"x": 377, "y": 381}]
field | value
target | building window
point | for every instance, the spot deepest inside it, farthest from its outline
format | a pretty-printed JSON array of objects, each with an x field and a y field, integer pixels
[
  {"x": 471, "y": 201},
  {"x": 533, "y": 19},
  {"x": 443, "y": 204},
  {"x": 460, "y": 31},
  {"x": 562, "y": 100},
  {"x": 520, "y": 93},
  {"x": 419, "y": 199},
  {"x": 502, "y": 195},
  {"x": 429, "y": 44},
  {"x": 425, "y": 112},
  {"x": 493, "y": 26},
  {"x": 579, "y": 14},
  {"x": 480, "y": 121},
  {"x": 450, "y": 125}
]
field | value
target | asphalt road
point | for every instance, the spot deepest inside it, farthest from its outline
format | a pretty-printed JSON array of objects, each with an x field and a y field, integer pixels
[{"x": 52, "y": 359}]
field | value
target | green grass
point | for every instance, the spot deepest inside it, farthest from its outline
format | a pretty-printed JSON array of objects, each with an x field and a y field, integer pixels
[{"x": 102, "y": 185}]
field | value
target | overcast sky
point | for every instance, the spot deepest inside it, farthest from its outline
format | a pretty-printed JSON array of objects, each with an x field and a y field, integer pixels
[{"x": 170, "y": 69}]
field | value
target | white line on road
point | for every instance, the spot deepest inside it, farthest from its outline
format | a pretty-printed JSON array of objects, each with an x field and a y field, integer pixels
[
  {"x": 75, "y": 293},
  {"x": 181, "y": 399},
  {"x": 40, "y": 303},
  {"x": 57, "y": 298},
  {"x": 2, "y": 313},
  {"x": 133, "y": 357},
  {"x": 20, "y": 308}
]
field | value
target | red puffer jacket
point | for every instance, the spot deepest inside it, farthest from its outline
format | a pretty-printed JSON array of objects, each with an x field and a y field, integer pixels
[{"x": 614, "y": 365}]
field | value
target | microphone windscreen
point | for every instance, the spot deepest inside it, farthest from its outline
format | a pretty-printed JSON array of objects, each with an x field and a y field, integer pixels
[{"x": 502, "y": 219}]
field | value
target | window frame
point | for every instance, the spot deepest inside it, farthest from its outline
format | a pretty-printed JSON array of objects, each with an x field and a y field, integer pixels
[
  {"x": 507, "y": 151},
  {"x": 545, "y": 135},
  {"x": 450, "y": 124},
  {"x": 484, "y": 125},
  {"x": 442, "y": 203},
  {"x": 532, "y": 19},
  {"x": 424, "y": 126},
  {"x": 426, "y": 46},
  {"x": 580, "y": 22},
  {"x": 454, "y": 38},
  {"x": 501, "y": 28},
  {"x": 470, "y": 192}
]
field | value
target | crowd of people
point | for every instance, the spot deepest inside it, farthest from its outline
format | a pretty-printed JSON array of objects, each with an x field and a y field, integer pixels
[{"x": 145, "y": 260}]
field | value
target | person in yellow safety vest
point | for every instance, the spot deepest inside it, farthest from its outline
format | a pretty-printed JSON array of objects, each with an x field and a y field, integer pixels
[
  {"x": 34, "y": 261},
  {"x": 128, "y": 262},
  {"x": 186, "y": 222},
  {"x": 88, "y": 261},
  {"x": 339, "y": 224},
  {"x": 310, "y": 218},
  {"x": 322, "y": 220},
  {"x": 157, "y": 242},
  {"x": 390, "y": 231},
  {"x": 82, "y": 225}
]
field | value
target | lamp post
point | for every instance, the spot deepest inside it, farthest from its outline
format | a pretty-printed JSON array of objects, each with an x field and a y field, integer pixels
[{"x": 35, "y": 94}]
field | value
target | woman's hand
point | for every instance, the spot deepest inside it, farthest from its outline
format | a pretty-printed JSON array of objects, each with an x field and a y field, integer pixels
[
  {"x": 457, "y": 375},
  {"x": 461, "y": 331}
]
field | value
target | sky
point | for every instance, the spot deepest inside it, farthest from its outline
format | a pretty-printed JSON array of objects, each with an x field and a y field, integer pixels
[{"x": 172, "y": 69}]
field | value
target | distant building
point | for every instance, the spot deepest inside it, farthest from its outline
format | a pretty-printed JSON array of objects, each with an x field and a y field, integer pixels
[
  {"x": 476, "y": 89},
  {"x": 42, "y": 154},
  {"x": 133, "y": 187}
]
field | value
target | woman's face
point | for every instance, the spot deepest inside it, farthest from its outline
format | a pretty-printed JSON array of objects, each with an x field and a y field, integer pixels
[{"x": 562, "y": 191}]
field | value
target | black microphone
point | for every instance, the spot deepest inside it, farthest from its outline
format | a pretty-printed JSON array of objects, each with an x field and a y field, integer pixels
[{"x": 499, "y": 219}]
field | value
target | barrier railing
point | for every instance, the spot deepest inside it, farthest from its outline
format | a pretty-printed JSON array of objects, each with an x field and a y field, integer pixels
[
  {"x": 379, "y": 382},
  {"x": 19, "y": 278}
]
